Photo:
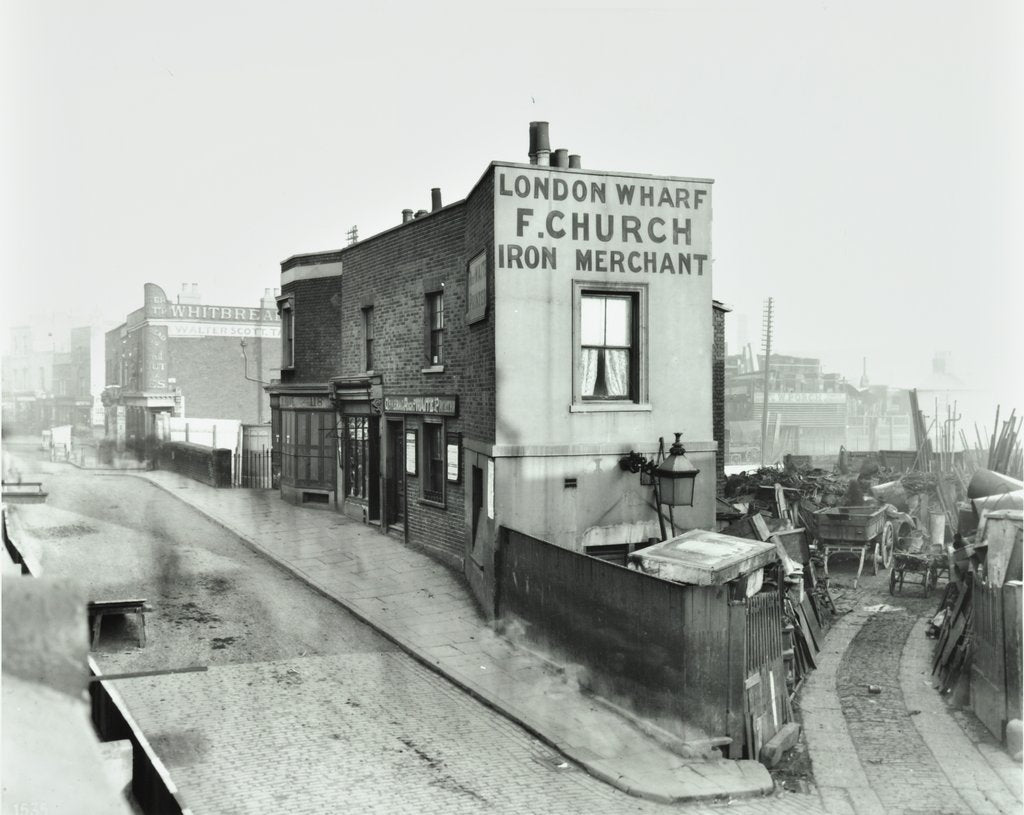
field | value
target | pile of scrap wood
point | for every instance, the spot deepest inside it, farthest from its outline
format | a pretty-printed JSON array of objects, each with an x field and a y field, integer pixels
[
  {"x": 992, "y": 496},
  {"x": 776, "y": 513}
]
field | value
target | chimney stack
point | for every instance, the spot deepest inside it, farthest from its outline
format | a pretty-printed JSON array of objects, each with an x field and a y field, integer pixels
[
  {"x": 543, "y": 145},
  {"x": 574, "y": 161},
  {"x": 561, "y": 156},
  {"x": 533, "y": 143},
  {"x": 406, "y": 216},
  {"x": 435, "y": 199}
]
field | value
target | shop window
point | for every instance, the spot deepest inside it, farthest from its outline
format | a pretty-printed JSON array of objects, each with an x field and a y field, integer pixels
[
  {"x": 357, "y": 457},
  {"x": 433, "y": 474},
  {"x": 435, "y": 328},
  {"x": 368, "y": 338},
  {"x": 307, "y": 456},
  {"x": 286, "y": 307}
]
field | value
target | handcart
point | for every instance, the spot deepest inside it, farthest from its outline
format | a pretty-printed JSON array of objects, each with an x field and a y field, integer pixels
[
  {"x": 855, "y": 530},
  {"x": 927, "y": 564}
]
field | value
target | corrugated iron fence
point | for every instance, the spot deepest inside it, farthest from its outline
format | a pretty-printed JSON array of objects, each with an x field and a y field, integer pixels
[
  {"x": 253, "y": 469},
  {"x": 682, "y": 652}
]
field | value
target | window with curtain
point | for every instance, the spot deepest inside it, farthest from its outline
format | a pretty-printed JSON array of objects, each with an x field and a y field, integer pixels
[{"x": 607, "y": 359}]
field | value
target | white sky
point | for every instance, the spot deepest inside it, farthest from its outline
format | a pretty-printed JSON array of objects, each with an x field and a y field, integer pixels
[{"x": 867, "y": 155}]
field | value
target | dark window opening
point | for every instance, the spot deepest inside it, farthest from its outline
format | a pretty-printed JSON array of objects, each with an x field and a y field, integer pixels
[
  {"x": 435, "y": 326},
  {"x": 433, "y": 462},
  {"x": 357, "y": 457},
  {"x": 368, "y": 337}
]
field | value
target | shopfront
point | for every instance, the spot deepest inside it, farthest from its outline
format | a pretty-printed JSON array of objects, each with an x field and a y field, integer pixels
[{"x": 304, "y": 431}]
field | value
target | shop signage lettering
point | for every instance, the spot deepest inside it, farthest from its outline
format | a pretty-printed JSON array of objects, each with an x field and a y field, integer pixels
[
  {"x": 200, "y": 329},
  {"x": 425, "y": 405},
  {"x": 320, "y": 402},
  {"x": 177, "y": 311},
  {"x": 614, "y": 226}
]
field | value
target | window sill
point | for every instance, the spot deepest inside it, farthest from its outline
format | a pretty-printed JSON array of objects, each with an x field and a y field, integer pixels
[
  {"x": 427, "y": 503},
  {"x": 433, "y": 369},
  {"x": 610, "y": 407}
]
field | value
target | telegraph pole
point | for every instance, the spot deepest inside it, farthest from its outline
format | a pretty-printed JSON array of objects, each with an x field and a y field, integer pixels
[
  {"x": 352, "y": 235},
  {"x": 766, "y": 343}
]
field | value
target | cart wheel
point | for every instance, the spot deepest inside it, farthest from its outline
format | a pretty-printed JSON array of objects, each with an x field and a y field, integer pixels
[
  {"x": 892, "y": 580},
  {"x": 887, "y": 542}
]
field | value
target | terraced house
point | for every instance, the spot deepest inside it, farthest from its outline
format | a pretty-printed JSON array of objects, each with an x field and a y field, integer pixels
[{"x": 489, "y": 362}]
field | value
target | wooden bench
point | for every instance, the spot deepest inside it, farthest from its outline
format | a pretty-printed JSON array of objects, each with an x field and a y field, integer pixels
[{"x": 97, "y": 609}]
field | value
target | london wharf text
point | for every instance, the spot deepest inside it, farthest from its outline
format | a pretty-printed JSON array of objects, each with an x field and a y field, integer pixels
[{"x": 655, "y": 231}]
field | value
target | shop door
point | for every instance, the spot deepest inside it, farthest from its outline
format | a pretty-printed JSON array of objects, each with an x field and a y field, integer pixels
[
  {"x": 373, "y": 476},
  {"x": 395, "y": 475}
]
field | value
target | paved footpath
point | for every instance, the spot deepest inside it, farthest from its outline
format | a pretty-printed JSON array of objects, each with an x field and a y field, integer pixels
[{"x": 900, "y": 751}]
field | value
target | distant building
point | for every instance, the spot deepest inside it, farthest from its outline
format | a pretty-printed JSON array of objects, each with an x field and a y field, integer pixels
[
  {"x": 810, "y": 412},
  {"x": 184, "y": 358},
  {"x": 46, "y": 381}
]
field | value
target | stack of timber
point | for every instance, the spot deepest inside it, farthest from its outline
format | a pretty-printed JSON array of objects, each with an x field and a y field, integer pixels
[{"x": 778, "y": 513}]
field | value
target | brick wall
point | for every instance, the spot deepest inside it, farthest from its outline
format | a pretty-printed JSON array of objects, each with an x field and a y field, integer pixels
[
  {"x": 718, "y": 396},
  {"x": 316, "y": 309},
  {"x": 210, "y": 373},
  {"x": 393, "y": 273}
]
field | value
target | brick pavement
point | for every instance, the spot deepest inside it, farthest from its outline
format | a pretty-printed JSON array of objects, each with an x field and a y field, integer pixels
[
  {"x": 425, "y": 608},
  {"x": 903, "y": 750}
]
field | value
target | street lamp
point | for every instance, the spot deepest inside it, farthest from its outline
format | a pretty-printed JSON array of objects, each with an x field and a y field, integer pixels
[
  {"x": 673, "y": 477},
  {"x": 676, "y": 476}
]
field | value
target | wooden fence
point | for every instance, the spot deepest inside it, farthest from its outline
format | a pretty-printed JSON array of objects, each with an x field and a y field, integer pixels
[{"x": 684, "y": 653}]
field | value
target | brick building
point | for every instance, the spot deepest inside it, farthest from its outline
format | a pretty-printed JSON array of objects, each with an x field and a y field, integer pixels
[
  {"x": 489, "y": 362},
  {"x": 188, "y": 359}
]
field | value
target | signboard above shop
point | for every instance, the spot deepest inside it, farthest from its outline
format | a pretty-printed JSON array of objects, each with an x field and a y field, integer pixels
[{"x": 422, "y": 405}]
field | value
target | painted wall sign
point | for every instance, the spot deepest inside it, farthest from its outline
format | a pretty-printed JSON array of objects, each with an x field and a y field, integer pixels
[
  {"x": 626, "y": 227},
  {"x": 315, "y": 402},
  {"x": 808, "y": 398},
  {"x": 201, "y": 329},
  {"x": 425, "y": 405},
  {"x": 476, "y": 289}
]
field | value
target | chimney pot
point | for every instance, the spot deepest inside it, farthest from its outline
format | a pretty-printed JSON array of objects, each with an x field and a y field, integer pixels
[
  {"x": 420, "y": 213},
  {"x": 543, "y": 145},
  {"x": 561, "y": 157},
  {"x": 533, "y": 143},
  {"x": 406, "y": 216},
  {"x": 574, "y": 161},
  {"x": 435, "y": 199}
]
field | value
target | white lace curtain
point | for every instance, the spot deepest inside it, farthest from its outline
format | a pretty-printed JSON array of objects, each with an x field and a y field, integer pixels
[{"x": 604, "y": 372}]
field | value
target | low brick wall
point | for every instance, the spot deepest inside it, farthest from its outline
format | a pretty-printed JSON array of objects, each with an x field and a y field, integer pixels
[{"x": 208, "y": 465}]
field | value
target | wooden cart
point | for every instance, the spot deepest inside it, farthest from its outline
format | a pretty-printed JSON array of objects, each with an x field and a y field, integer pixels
[
  {"x": 855, "y": 530},
  {"x": 927, "y": 564}
]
